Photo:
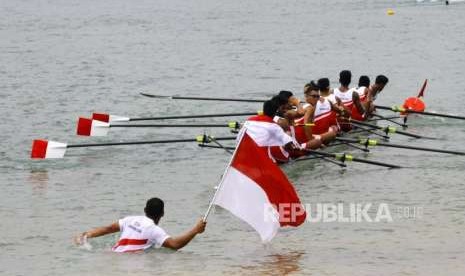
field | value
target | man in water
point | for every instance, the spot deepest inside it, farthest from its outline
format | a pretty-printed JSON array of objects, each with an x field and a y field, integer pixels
[{"x": 142, "y": 232}]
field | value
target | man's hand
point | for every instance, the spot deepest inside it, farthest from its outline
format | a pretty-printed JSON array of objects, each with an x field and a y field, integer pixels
[
  {"x": 200, "y": 226},
  {"x": 80, "y": 239}
]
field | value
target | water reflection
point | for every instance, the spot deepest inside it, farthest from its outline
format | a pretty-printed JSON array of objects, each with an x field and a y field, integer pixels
[
  {"x": 38, "y": 180},
  {"x": 278, "y": 264}
]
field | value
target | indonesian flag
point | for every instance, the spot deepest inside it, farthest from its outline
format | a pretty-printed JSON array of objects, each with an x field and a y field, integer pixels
[{"x": 255, "y": 189}]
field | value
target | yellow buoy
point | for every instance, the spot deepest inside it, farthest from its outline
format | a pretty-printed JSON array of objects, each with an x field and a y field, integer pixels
[{"x": 390, "y": 12}]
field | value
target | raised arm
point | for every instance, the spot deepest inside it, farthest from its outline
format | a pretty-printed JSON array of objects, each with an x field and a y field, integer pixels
[{"x": 182, "y": 240}]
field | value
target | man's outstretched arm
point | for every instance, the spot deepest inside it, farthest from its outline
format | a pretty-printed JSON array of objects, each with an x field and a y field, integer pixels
[
  {"x": 182, "y": 240},
  {"x": 97, "y": 232}
]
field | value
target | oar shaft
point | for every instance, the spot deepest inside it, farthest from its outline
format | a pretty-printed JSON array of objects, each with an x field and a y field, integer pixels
[
  {"x": 388, "y": 119},
  {"x": 202, "y": 98},
  {"x": 194, "y": 116},
  {"x": 355, "y": 122},
  {"x": 357, "y": 160},
  {"x": 376, "y": 143},
  {"x": 171, "y": 125},
  {"x": 216, "y": 99},
  {"x": 423, "y": 112},
  {"x": 371, "y": 162},
  {"x": 421, "y": 148},
  {"x": 144, "y": 142}
]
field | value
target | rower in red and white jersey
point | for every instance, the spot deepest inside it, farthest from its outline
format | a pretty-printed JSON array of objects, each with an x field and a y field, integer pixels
[
  {"x": 359, "y": 99},
  {"x": 265, "y": 127},
  {"x": 326, "y": 91},
  {"x": 324, "y": 116},
  {"x": 318, "y": 111},
  {"x": 343, "y": 92},
  {"x": 338, "y": 106}
]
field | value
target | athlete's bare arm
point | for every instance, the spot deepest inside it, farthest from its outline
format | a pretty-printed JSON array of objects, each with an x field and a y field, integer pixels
[
  {"x": 358, "y": 103},
  {"x": 182, "y": 240},
  {"x": 97, "y": 232}
]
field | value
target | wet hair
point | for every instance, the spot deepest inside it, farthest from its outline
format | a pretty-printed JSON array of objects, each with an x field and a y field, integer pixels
[
  {"x": 345, "y": 77},
  {"x": 154, "y": 208},
  {"x": 364, "y": 81},
  {"x": 284, "y": 96},
  {"x": 312, "y": 85},
  {"x": 270, "y": 107},
  {"x": 323, "y": 83},
  {"x": 381, "y": 79}
]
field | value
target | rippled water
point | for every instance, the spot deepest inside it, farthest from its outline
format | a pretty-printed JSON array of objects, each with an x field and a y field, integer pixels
[{"x": 64, "y": 59}]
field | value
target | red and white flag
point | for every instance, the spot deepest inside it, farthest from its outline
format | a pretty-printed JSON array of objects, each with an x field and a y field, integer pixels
[{"x": 256, "y": 190}]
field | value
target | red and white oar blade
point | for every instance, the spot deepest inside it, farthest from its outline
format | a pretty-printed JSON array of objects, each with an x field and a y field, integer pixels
[
  {"x": 104, "y": 117},
  {"x": 89, "y": 127},
  {"x": 43, "y": 149}
]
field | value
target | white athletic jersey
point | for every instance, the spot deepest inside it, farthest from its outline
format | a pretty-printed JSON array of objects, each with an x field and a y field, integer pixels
[
  {"x": 331, "y": 98},
  {"x": 321, "y": 109},
  {"x": 265, "y": 132},
  {"x": 362, "y": 92},
  {"x": 345, "y": 97},
  {"x": 139, "y": 233}
]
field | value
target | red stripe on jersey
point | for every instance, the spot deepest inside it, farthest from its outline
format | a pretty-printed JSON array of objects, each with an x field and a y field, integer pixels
[{"x": 123, "y": 242}]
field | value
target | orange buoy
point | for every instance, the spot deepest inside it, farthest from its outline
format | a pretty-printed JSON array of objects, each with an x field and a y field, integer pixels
[{"x": 414, "y": 103}]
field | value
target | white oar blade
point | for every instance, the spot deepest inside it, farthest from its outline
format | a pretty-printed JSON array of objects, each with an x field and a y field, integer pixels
[
  {"x": 89, "y": 127},
  {"x": 43, "y": 149},
  {"x": 109, "y": 118}
]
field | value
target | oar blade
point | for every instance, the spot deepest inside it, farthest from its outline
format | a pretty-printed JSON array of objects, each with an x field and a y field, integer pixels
[
  {"x": 89, "y": 127},
  {"x": 43, "y": 149},
  {"x": 422, "y": 90},
  {"x": 108, "y": 118},
  {"x": 154, "y": 96}
]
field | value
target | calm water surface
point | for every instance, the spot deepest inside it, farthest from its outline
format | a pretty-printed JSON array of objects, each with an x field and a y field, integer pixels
[{"x": 65, "y": 59}]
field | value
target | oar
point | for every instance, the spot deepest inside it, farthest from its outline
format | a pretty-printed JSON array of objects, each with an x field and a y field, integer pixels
[
  {"x": 104, "y": 117},
  {"x": 401, "y": 109},
  {"x": 389, "y": 129},
  {"x": 373, "y": 142},
  {"x": 43, "y": 149},
  {"x": 347, "y": 157},
  {"x": 202, "y": 98},
  {"x": 384, "y": 118},
  {"x": 372, "y": 131},
  {"x": 89, "y": 127},
  {"x": 216, "y": 147},
  {"x": 392, "y": 121}
]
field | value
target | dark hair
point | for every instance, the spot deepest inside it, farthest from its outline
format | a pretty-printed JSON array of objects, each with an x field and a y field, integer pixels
[
  {"x": 270, "y": 107},
  {"x": 154, "y": 208},
  {"x": 323, "y": 83},
  {"x": 284, "y": 96},
  {"x": 364, "y": 81},
  {"x": 381, "y": 79},
  {"x": 312, "y": 85},
  {"x": 345, "y": 77}
]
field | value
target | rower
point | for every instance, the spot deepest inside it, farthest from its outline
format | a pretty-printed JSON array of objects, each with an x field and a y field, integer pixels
[
  {"x": 343, "y": 92},
  {"x": 359, "y": 99},
  {"x": 326, "y": 91},
  {"x": 338, "y": 105},
  {"x": 373, "y": 92},
  {"x": 266, "y": 127},
  {"x": 139, "y": 233},
  {"x": 318, "y": 111}
]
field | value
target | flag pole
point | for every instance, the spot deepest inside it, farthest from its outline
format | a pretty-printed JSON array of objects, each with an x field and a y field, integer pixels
[{"x": 241, "y": 135}]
